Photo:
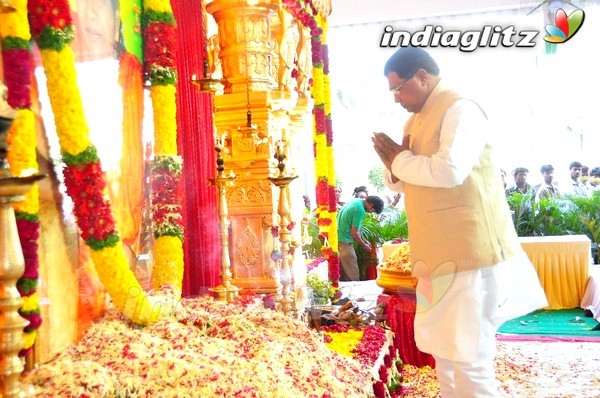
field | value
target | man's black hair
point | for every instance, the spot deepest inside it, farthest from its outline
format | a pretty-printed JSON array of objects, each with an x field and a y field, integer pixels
[
  {"x": 377, "y": 203},
  {"x": 406, "y": 61},
  {"x": 574, "y": 164},
  {"x": 546, "y": 167},
  {"x": 520, "y": 170}
]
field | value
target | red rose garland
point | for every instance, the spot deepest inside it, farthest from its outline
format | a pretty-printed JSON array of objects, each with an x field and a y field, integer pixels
[{"x": 85, "y": 184}]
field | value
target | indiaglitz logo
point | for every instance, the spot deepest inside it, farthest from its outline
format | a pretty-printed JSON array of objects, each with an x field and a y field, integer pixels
[
  {"x": 467, "y": 41},
  {"x": 433, "y": 285},
  {"x": 564, "y": 27}
]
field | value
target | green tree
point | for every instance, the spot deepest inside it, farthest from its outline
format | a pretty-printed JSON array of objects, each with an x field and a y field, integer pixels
[{"x": 376, "y": 178}]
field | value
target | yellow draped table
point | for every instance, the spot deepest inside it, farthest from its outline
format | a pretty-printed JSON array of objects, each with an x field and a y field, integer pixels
[{"x": 563, "y": 267}]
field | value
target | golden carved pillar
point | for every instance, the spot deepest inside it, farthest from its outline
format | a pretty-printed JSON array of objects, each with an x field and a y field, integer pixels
[
  {"x": 250, "y": 36},
  {"x": 12, "y": 263},
  {"x": 248, "y": 152}
]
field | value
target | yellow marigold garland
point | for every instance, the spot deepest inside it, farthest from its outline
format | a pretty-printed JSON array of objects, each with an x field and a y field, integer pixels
[
  {"x": 323, "y": 139},
  {"x": 165, "y": 117},
  {"x": 67, "y": 106},
  {"x": 130, "y": 298},
  {"x": 15, "y": 24},
  {"x": 344, "y": 342},
  {"x": 169, "y": 251},
  {"x": 158, "y": 6},
  {"x": 22, "y": 158},
  {"x": 29, "y": 338},
  {"x": 160, "y": 66},
  {"x": 52, "y": 28}
]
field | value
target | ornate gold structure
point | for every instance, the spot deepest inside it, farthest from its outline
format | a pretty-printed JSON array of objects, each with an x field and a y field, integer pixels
[
  {"x": 260, "y": 106},
  {"x": 12, "y": 266},
  {"x": 282, "y": 180},
  {"x": 225, "y": 291},
  {"x": 245, "y": 27},
  {"x": 206, "y": 83}
]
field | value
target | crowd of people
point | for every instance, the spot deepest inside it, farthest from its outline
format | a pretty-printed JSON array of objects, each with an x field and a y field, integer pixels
[{"x": 582, "y": 182}]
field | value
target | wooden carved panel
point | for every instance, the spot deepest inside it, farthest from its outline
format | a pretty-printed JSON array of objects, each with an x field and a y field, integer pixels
[
  {"x": 247, "y": 250},
  {"x": 246, "y": 193}
]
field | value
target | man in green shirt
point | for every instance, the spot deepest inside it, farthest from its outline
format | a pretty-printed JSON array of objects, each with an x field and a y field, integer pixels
[{"x": 349, "y": 218}]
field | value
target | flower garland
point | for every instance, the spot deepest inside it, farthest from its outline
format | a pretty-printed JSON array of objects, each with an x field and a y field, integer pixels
[
  {"x": 342, "y": 339},
  {"x": 366, "y": 345},
  {"x": 16, "y": 54},
  {"x": 52, "y": 28},
  {"x": 312, "y": 264},
  {"x": 326, "y": 212},
  {"x": 158, "y": 27}
]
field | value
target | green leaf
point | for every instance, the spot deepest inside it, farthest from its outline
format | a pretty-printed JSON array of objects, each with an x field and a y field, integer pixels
[
  {"x": 55, "y": 39},
  {"x": 89, "y": 155},
  {"x": 97, "y": 245},
  {"x": 15, "y": 43},
  {"x": 150, "y": 16}
]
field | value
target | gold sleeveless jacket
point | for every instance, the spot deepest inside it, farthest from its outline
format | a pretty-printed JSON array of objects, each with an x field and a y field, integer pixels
[{"x": 469, "y": 225}]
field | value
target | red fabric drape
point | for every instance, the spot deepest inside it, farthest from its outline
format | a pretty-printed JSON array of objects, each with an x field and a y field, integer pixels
[
  {"x": 195, "y": 142},
  {"x": 400, "y": 316}
]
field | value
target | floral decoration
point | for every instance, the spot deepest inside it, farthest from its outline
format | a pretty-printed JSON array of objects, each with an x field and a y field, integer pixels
[
  {"x": 326, "y": 212},
  {"x": 314, "y": 263},
  {"x": 371, "y": 347},
  {"x": 322, "y": 291},
  {"x": 343, "y": 339},
  {"x": 158, "y": 27},
  {"x": 21, "y": 139},
  {"x": 52, "y": 29},
  {"x": 400, "y": 260},
  {"x": 208, "y": 349}
]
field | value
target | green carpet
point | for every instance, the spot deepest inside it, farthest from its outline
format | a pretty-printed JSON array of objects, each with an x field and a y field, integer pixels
[{"x": 571, "y": 322}]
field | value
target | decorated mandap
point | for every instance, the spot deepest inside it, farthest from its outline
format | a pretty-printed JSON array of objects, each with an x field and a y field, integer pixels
[
  {"x": 173, "y": 271},
  {"x": 152, "y": 159}
]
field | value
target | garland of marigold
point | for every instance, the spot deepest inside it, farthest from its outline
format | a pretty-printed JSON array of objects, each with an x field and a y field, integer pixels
[
  {"x": 52, "y": 28},
  {"x": 330, "y": 212},
  {"x": 326, "y": 212},
  {"x": 160, "y": 69},
  {"x": 365, "y": 345},
  {"x": 16, "y": 55}
]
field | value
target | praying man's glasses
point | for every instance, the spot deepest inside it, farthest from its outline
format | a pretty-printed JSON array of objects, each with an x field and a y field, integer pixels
[{"x": 396, "y": 90}]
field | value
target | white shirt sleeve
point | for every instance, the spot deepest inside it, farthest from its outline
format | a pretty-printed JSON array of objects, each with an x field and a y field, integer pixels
[{"x": 464, "y": 133}]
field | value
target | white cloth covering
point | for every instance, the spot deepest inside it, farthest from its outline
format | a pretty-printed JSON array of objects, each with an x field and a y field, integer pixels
[{"x": 451, "y": 326}]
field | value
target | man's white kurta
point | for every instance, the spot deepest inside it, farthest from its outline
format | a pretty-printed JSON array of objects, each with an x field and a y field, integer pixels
[{"x": 455, "y": 311}]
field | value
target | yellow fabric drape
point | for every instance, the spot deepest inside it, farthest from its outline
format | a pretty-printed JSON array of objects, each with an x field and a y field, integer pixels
[
  {"x": 563, "y": 267},
  {"x": 128, "y": 203}
]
